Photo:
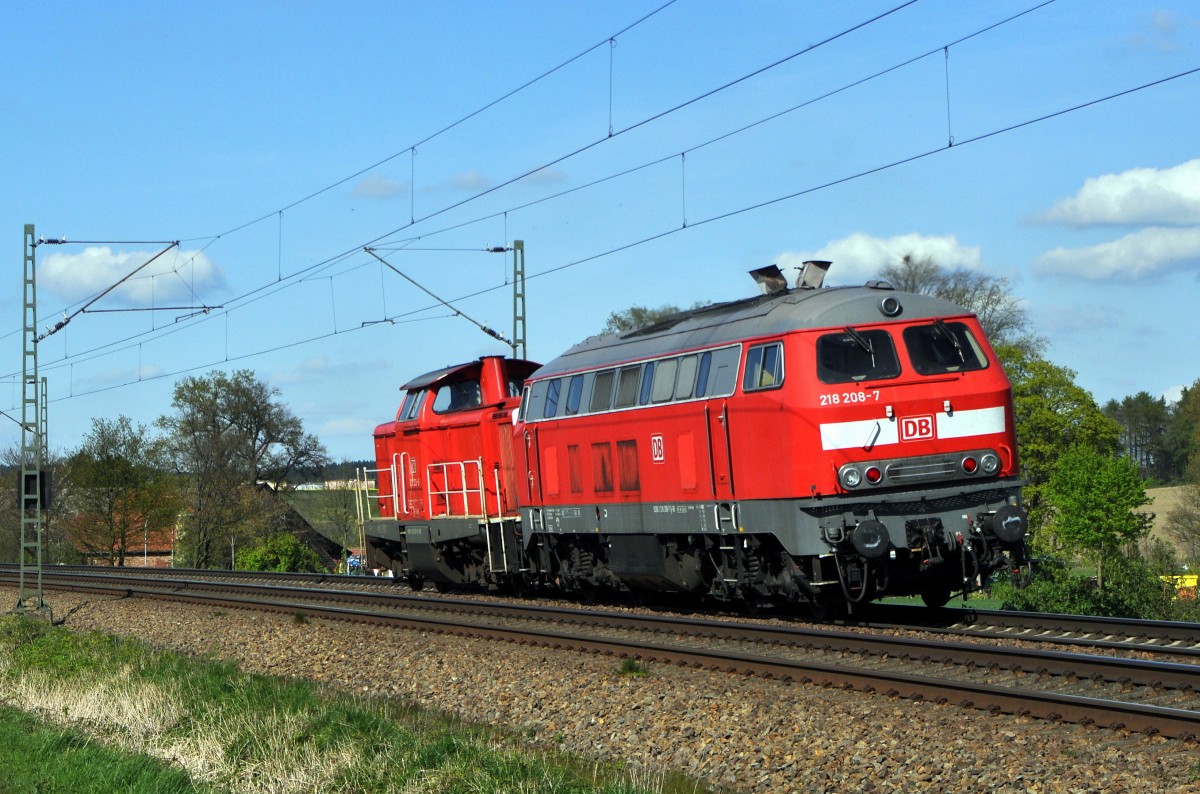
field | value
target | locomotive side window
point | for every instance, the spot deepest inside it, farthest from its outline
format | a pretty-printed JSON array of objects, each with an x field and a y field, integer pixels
[
  {"x": 764, "y": 367},
  {"x": 553, "y": 391},
  {"x": 943, "y": 347},
  {"x": 853, "y": 355},
  {"x": 627, "y": 387},
  {"x": 702, "y": 374},
  {"x": 602, "y": 390},
  {"x": 647, "y": 380},
  {"x": 685, "y": 382},
  {"x": 664, "y": 381},
  {"x": 574, "y": 393}
]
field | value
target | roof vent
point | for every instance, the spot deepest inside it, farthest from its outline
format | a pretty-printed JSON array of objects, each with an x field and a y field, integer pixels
[
  {"x": 812, "y": 274},
  {"x": 769, "y": 279}
]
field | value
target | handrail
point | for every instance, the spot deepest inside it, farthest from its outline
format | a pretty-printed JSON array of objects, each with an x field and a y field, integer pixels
[
  {"x": 399, "y": 477},
  {"x": 463, "y": 492}
]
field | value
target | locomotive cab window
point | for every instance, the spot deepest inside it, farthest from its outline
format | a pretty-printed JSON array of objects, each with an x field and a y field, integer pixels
[
  {"x": 411, "y": 408},
  {"x": 764, "y": 367},
  {"x": 943, "y": 347},
  {"x": 852, "y": 355},
  {"x": 461, "y": 396}
]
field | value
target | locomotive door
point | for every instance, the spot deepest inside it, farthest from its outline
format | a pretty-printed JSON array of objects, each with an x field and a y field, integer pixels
[
  {"x": 720, "y": 460},
  {"x": 407, "y": 483},
  {"x": 532, "y": 488},
  {"x": 506, "y": 477}
]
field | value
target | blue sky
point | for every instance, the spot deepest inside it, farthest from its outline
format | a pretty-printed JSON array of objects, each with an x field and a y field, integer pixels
[{"x": 675, "y": 149}]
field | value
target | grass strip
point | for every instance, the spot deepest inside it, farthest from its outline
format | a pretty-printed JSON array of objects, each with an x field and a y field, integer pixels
[
  {"x": 37, "y": 757},
  {"x": 233, "y": 731}
]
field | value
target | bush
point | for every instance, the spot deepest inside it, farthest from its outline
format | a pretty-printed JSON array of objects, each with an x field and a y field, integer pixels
[
  {"x": 281, "y": 553},
  {"x": 1132, "y": 589}
]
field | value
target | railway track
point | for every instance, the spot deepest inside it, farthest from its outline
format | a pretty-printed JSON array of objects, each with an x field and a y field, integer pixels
[
  {"x": 1151, "y": 637},
  {"x": 1083, "y": 631},
  {"x": 1150, "y": 696}
]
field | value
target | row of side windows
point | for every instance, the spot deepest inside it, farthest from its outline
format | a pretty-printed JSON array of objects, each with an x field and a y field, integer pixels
[{"x": 711, "y": 373}]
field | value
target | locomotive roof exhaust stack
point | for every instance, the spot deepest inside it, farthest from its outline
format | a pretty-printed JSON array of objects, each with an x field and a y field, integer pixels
[
  {"x": 769, "y": 279},
  {"x": 812, "y": 275}
]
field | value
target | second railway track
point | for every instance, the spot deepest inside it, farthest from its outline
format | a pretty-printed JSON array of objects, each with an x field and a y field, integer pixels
[{"x": 1149, "y": 696}]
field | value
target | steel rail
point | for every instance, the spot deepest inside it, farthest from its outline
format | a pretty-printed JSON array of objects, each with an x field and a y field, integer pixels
[
  {"x": 1137, "y": 672},
  {"x": 1174, "y": 637},
  {"x": 1139, "y": 717}
]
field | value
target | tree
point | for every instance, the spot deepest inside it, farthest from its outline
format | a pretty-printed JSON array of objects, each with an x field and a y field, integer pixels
[
  {"x": 989, "y": 298},
  {"x": 1096, "y": 499},
  {"x": 1181, "y": 439},
  {"x": 228, "y": 434},
  {"x": 637, "y": 316},
  {"x": 1143, "y": 421},
  {"x": 1182, "y": 524},
  {"x": 122, "y": 493},
  {"x": 56, "y": 545},
  {"x": 1052, "y": 415}
]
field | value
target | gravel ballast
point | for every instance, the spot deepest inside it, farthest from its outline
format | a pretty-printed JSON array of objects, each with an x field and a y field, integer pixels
[{"x": 748, "y": 734}]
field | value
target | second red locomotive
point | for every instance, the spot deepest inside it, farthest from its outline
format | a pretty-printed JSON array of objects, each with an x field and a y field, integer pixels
[{"x": 812, "y": 445}]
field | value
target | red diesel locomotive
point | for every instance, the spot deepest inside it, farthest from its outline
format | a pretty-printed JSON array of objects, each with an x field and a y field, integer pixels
[{"x": 812, "y": 445}]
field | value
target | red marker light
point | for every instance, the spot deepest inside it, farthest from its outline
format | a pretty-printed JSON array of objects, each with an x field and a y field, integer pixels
[
  {"x": 969, "y": 465},
  {"x": 874, "y": 475}
]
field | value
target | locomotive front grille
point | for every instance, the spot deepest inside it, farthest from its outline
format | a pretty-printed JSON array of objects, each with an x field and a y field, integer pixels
[{"x": 912, "y": 471}]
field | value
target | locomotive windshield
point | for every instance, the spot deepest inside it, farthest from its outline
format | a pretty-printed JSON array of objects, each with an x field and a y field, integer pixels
[
  {"x": 853, "y": 355},
  {"x": 943, "y": 347}
]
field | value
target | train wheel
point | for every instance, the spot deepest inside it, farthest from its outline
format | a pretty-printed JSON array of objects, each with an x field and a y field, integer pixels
[
  {"x": 416, "y": 582},
  {"x": 936, "y": 597}
]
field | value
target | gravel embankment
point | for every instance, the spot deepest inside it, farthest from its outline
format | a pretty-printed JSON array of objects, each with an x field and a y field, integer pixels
[{"x": 750, "y": 734}]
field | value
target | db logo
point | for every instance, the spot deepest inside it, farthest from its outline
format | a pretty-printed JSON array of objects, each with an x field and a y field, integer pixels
[
  {"x": 657, "y": 452},
  {"x": 915, "y": 428}
]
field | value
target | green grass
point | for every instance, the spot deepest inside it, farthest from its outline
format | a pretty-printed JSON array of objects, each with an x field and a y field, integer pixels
[
  {"x": 37, "y": 758},
  {"x": 232, "y": 731}
]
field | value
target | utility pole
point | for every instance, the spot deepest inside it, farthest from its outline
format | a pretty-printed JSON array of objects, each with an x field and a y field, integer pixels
[
  {"x": 518, "y": 342},
  {"x": 34, "y": 486}
]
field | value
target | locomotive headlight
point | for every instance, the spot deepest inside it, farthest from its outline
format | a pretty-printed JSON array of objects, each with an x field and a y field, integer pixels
[
  {"x": 989, "y": 463},
  {"x": 851, "y": 477}
]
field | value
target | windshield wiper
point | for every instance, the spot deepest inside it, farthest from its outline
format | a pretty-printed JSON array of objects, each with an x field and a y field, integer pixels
[
  {"x": 945, "y": 331},
  {"x": 862, "y": 342}
]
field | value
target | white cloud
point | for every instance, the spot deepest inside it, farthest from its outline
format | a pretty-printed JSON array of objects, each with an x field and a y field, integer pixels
[
  {"x": 1139, "y": 255},
  {"x": 1173, "y": 394},
  {"x": 545, "y": 176},
  {"x": 378, "y": 186},
  {"x": 859, "y": 257},
  {"x": 1139, "y": 196},
  {"x": 176, "y": 277},
  {"x": 472, "y": 181}
]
